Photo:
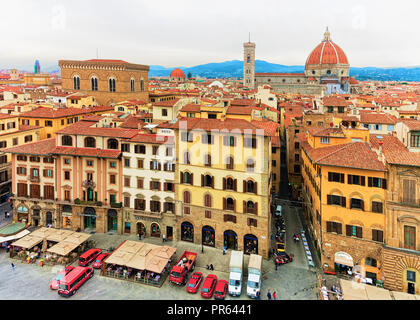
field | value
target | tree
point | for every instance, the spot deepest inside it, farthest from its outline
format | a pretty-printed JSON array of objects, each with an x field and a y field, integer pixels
[{"x": 189, "y": 75}]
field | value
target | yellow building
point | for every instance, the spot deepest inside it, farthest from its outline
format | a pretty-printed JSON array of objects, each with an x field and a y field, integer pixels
[
  {"x": 12, "y": 134},
  {"x": 344, "y": 187},
  {"x": 131, "y": 106},
  {"x": 223, "y": 173},
  {"x": 51, "y": 120},
  {"x": 80, "y": 100}
]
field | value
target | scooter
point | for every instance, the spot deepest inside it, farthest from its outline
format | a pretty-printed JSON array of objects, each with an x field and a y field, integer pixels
[{"x": 296, "y": 237}]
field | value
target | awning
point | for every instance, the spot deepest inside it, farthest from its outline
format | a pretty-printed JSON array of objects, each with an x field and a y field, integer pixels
[
  {"x": 343, "y": 258},
  {"x": 15, "y": 236}
]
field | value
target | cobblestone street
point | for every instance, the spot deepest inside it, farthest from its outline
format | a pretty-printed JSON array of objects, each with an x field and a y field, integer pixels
[{"x": 294, "y": 281}]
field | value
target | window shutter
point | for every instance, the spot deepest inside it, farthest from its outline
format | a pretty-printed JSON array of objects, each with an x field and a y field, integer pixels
[
  {"x": 225, "y": 140},
  {"x": 234, "y": 219},
  {"x": 348, "y": 230},
  {"x": 244, "y": 189},
  {"x": 329, "y": 199},
  {"x": 380, "y": 236},
  {"x": 151, "y": 165},
  {"x": 212, "y": 182},
  {"x": 329, "y": 226},
  {"x": 224, "y": 204},
  {"x": 369, "y": 181},
  {"x": 255, "y": 187},
  {"x": 159, "y": 166},
  {"x": 362, "y": 180},
  {"x": 181, "y": 175},
  {"x": 165, "y": 188},
  {"x": 235, "y": 185},
  {"x": 256, "y": 209},
  {"x": 244, "y": 203},
  {"x": 380, "y": 209},
  {"x": 234, "y": 205},
  {"x": 224, "y": 183},
  {"x": 343, "y": 202},
  {"x": 202, "y": 180},
  {"x": 234, "y": 141},
  {"x": 255, "y": 223},
  {"x": 384, "y": 186},
  {"x": 165, "y": 206},
  {"x": 165, "y": 167},
  {"x": 140, "y": 184},
  {"x": 151, "y": 185},
  {"x": 349, "y": 179},
  {"x": 359, "y": 232},
  {"x": 329, "y": 176},
  {"x": 338, "y": 228},
  {"x": 342, "y": 177},
  {"x": 191, "y": 178},
  {"x": 362, "y": 205},
  {"x": 249, "y": 221}
]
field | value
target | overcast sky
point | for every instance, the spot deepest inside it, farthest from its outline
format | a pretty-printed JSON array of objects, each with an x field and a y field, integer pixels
[{"x": 383, "y": 33}]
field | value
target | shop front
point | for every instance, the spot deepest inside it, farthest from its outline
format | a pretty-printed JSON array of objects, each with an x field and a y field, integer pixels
[
  {"x": 208, "y": 236},
  {"x": 230, "y": 240},
  {"x": 155, "y": 230},
  {"x": 250, "y": 244},
  {"x": 343, "y": 263},
  {"x": 66, "y": 214},
  {"x": 112, "y": 220},
  {"x": 89, "y": 218},
  {"x": 22, "y": 214},
  {"x": 187, "y": 232}
]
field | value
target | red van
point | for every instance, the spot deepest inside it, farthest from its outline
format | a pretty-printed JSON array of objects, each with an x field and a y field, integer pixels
[
  {"x": 88, "y": 256},
  {"x": 74, "y": 280}
]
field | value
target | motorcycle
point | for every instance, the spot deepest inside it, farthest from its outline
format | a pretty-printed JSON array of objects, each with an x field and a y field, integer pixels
[{"x": 296, "y": 237}]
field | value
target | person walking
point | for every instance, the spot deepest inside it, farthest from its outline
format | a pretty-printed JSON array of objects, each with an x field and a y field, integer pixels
[
  {"x": 163, "y": 238},
  {"x": 13, "y": 266},
  {"x": 139, "y": 236},
  {"x": 258, "y": 295},
  {"x": 274, "y": 296},
  {"x": 269, "y": 295}
]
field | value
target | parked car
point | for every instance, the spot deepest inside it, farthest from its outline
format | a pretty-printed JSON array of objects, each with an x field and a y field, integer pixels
[
  {"x": 99, "y": 259},
  {"x": 194, "y": 283},
  {"x": 221, "y": 289},
  {"x": 88, "y": 256},
  {"x": 209, "y": 285},
  {"x": 55, "y": 283}
]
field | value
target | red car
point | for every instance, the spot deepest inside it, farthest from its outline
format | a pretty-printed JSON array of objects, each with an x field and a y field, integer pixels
[
  {"x": 56, "y": 281},
  {"x": 99, "y": 259},
  {"x": 221, "y": 289},
  {"x": 194, "y": 282},
  {"x": 88, "y": 256},
  {"x": 209, "y": 285}
]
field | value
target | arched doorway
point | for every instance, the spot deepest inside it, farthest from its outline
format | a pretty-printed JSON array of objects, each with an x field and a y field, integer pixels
[
  {"x": 48, "y": 219},
  {"x": 187, "y": 231},
  {"x": 230, "y": 240},
  {"x": 35, "y": 217},
  {"x": 141, "y": 229},
  {"x": 90, "y": 196},
  {"x": 208, "y": 237},
  {"x": 155, "y": 230},
  {"x": 67, "y": 213},
  {"x": 22, "y": 213},
  {"x": 343, "y": 262},
  {"x": 90, "y": 218},
  {"x": 250, "y": 244},
  {"x": 112, "y": 220}
]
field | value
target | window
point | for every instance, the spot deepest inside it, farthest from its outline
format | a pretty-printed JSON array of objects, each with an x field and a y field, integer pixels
[
  {"x": 127, "y": 162},
  {"x": 169, "y": 151},
  {"x": 140, "y": 163},
  {"x": 296, "y": 145},
  {"x": 229, "y": 141},
  {"x": 76, "y": 83},
  {"x": 169, "y": 186},
  {"x": 155, "y": 150},
  {"x": 334, "y": 227},
  {"x": 250, "y": 165},
  {"x": 21, "y": 158},
  {"x": 139, "y": 204},
  {"x": 141, "y": 85},
  {"x": 325, "y": 140},
  {"x": 320, "y": 123},
  {"x": 229, "y": 184},
  {"x": 127, "y": 181},
  {"x": 377, "y": 235},
  {"x": 371, "y": 262},
  {"x": 207, "y": 160},
  {"x": 127, "y": 202},
  {"x": 229, "y": 163},
  {"x": 155, "y": 165},
  {"x": 66, "y": 141},
  {"x": 164, "y": 112},
  {"x": 66, "y": 175},
  {"x": 112, "y": 85},
  {"x": 336, "y": 200},
  {"x": 34, "y": 159},
  {"x": 330, "y": 109},
  {"x": 211, "y": 116},
  {"x": 356, "y": 204},
  {"x": 297, "y": 157},
  {"x": 11, "y": 125},
  {"x": 250, "y": 143},
  {"x": 415, "y": 139},
  {"x": 15, "y": 141},
  {"x": 112, "y": 144},
  {"x": 21, "y": 170},
  {"x": 125, "y": 147},
  {"x": 90, "y": 142},
  {"x": 207, "y": 181},
  {"x": 67, "y": 161},
  {"x": 207, "y": 200},
  {"x": 340, "y": 109},
  {"x": 94, "y": 83},
  {"x": 377, "y": 207},
  {"x": 409, "y": 191},
  {"x": 411, "y": 276},
  {"x": 354, "y": 231},
  {"x": 187, "y": 136},
  {"x": 187, "y": 177},
  {"x": 187, "y": 158},
  {"x": 336, "y": 177},
  {"x": 207, "y": 139},
  {"x": 113, "y": 164},
  {"x": 48, "y": 173},
  {"x": 229, "y": 204},
  {"x": 132, "y": 85},
  {"x": 139, "y": 183},
  {"x": 154, "y": 185},
  {"x": 354, "y": 179},
  {"x": 187, "y": 197},
  {"x": 140, "y": 149},
  {"x": 112, "y": 179},
  {"x": 377, "y": 182},
  {"x": 410, "y": 237}
]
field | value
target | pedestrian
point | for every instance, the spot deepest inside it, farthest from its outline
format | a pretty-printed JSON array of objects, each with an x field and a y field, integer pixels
[
  {"x": 13, "y": 267},
  {"x": 8, "y": 214},
  {"x": 5, "y": 214},
  {"x": 274, "y": 295},
  {"x": 224, "y": 250},
  {"x": 275, "y": 263},
  {"x": 163, "y": 238},
  {"x": 269, "y": 295},
  {"x": 211, "y": 267},
  {"x": 258, "y": 295},
  {"x": 139, "y": 236}
]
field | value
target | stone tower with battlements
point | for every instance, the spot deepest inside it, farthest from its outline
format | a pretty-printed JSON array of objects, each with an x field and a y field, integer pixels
[{"x": 249, "y": 65}]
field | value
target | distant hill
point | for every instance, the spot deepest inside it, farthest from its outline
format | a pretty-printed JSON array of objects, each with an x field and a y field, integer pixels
[{"x": 234, "y": 69}]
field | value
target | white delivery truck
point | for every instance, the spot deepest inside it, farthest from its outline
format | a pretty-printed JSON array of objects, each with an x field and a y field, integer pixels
[
  {"x": 235, "y": 275},
  {"x": 254, "y": 275}
]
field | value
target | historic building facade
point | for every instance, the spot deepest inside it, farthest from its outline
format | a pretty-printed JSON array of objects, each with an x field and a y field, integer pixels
[{"x": 109, "y": 81}]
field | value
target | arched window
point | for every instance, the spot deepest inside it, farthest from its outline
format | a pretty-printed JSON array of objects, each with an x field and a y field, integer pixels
[
  {"x": 187, "y": 178},
  {"x": 250, "y": 186},
  {"x": 66, "y": 141},
  {"x": 248, "y": 59},
  {"x": 94, "y": 83},
  {"x": 76, "y": 83},
  {"x": 111, "y": 84},
  {"x": 250, "y": 207},
  {"x": 208, "y": 181},
  {"x": 132, "y": 84},
  {"x": 328, "y": 71},
  {"x": 229, "y": 163},
  {"x": 90, "y": 142},
  {"x": 187, "y": 197},
  {"x": 141, "y": 85},
  {"x": 207, "y": 200},
  {"x": 230, "y": 184},
  {"x": 230, "y": 204},
  {"x": 112, "y": 144}
]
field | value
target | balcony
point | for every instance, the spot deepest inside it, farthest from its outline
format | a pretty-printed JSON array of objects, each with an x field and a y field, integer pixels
[
  {"x": 33, "y": 179},
  {"x": 147, "y": 214},
  {"x": 88, "y": 184}
]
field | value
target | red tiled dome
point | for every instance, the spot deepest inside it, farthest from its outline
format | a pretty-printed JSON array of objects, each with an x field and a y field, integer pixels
[
  {"x": 327, "y": 52},
  {"x": 177, "y": 73}
]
